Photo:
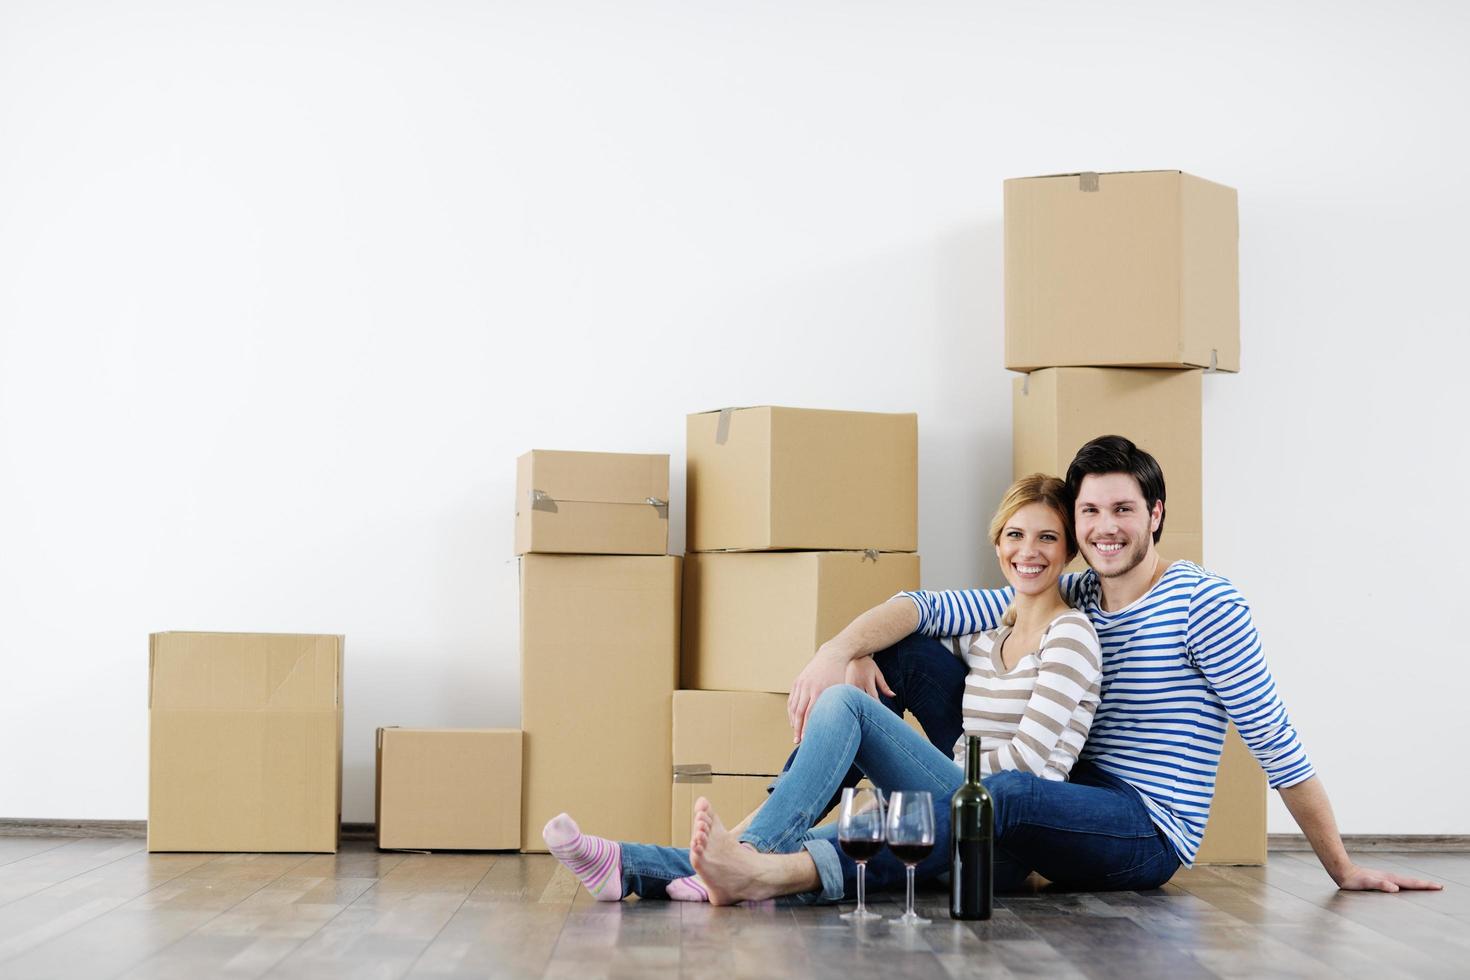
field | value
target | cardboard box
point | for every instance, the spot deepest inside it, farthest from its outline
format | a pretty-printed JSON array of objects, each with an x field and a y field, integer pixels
[
  {"x": 245, "y": 742},
  {"x": 1115, "y": 269},
  {"x": 592, "y": 503},
  {"x": 449, "y": 789},
  {"x": 753, "y": 621},
  {"x": 1236, "y": 830},
  {"x": 1055, "y": 411},
  {"x": 731, "y": 796},
  {"x": 730, "y": 733},
  {"x": 599, "y": 655},
  {"x": 768, "y": 479},
  {"x": 728, "y": 746}
]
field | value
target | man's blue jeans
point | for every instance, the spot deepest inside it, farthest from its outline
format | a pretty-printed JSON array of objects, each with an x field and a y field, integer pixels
[{"x": 1092, "y": 832}]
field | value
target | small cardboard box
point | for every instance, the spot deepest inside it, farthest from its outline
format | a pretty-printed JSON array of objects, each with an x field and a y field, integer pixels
[
  {"x": 592, "y": 503},
  {"x": 449, "y": 789},
  {"x": 245, "y": 742},
  {"x": 753, "y": 621},
  {"x": 1137, "y": 269},
  {"x": 1056, "y": 410},
  {"x": 730, "y": 733},
  {"x": 727, "y": 746},
  {"x": 599, "y": 656},
  {"x": 770, "y": 479}
]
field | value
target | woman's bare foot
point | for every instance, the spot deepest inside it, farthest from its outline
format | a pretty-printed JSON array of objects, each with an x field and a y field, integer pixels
[{"x": 734, "y": 873}]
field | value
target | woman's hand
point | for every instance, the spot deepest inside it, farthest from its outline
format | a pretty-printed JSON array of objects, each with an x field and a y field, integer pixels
[{"x": 826, "y": 668}]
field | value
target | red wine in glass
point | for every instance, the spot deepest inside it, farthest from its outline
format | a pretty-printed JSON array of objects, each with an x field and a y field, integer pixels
[
  {"x": 910, "y": 854},
  {"x": 861, "y": 848}
]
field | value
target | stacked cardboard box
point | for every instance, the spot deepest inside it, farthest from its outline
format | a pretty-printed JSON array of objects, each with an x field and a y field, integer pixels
[
  {"x": 599, "y": 642},
  {"x": 1120, "y": 287},
  {"x": 798, "y": 520}
]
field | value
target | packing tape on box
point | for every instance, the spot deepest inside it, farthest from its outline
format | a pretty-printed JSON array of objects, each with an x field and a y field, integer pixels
[
  {"x": 1026, "y": 383},
  {"x": 694, "y": 772},
  {"x": 870, "y": 554},
  {"x": 1087, "y": 182},
  {"x": 1214, "y": 361},
  {"x": 541, "y": 500},
  {"x": 722, "y": 428}
]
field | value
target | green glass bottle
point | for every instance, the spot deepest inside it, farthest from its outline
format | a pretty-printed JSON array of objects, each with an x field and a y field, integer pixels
[{"x": 971, "y": 837}]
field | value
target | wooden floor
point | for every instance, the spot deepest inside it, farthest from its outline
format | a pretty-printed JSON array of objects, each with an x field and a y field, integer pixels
[{"x": 105, "y": 908}]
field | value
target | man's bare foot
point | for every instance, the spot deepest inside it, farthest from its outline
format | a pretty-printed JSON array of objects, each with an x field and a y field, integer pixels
[{"x": 734, "y": 873}]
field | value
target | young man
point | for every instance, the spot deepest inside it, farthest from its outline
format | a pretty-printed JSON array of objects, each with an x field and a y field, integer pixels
[{"x": 1181, "y": 657}]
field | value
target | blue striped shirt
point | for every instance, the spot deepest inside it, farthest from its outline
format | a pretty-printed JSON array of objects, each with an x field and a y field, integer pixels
[{"x": 1177, "y": 664}]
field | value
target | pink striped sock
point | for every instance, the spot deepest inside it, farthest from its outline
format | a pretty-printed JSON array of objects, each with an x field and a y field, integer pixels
[
  {"x": 689, "y": 889},
  {"x": 596, "y": 862}
]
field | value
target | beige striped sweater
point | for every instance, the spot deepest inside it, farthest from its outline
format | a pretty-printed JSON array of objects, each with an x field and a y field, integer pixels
[{"x": 1035, "y": 716}]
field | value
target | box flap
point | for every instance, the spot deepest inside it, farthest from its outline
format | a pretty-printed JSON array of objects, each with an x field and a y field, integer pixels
[
  {"x": 583, "y": 477},
  {"x": 1100, "y": 173},
  {"x": 245, "y": 671}
]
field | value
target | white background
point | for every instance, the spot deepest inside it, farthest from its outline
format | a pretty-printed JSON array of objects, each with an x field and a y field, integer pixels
[{"x": 285, "y": 288}]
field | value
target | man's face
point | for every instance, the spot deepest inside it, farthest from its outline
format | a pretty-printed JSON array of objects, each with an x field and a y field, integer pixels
[{"x": 1114, "y": 526}]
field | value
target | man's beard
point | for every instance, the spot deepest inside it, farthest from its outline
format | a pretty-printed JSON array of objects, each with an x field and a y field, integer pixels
[{"x": 1135, "y": 555}]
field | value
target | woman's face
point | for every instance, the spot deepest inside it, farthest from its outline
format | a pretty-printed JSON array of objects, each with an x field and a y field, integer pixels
[{"x": 1032, "y": 549}]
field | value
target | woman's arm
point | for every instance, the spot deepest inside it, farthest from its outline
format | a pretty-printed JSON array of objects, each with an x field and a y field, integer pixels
[
  {"x": 877, "y": 629},
  {"x": 1070, "y": 671}
]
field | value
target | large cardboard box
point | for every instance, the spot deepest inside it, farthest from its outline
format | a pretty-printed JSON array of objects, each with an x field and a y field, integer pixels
[
  {"x": 769, "y": 479},
  {"x": 592, "y": 503},
  {"x": 599, "y": 656},
  {"x": 245, "y": 742},
  {"x": 1236, "y": 830},
  {"x": 752, "y": 621},
  {"x": 449, "y": 789},
  {"x": 1056, "y": 410},
  {"x": 1118, "y": 269}
]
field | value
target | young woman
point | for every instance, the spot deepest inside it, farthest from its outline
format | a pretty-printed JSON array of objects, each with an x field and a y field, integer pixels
[{"x": 1030, "y": 694}]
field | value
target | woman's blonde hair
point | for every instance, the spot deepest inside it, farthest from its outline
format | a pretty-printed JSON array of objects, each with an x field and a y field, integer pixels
[{"x": 1038, "y": 488}]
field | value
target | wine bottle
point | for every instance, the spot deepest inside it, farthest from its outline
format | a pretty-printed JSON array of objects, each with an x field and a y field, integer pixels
[{"x": 971, "y": 833}]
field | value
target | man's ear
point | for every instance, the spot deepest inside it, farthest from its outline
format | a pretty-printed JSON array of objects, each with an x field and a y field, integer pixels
[{"x": 1157, "y": 517}]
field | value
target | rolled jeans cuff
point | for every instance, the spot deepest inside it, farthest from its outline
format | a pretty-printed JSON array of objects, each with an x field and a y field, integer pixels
[{"x": 829, "y": 869}]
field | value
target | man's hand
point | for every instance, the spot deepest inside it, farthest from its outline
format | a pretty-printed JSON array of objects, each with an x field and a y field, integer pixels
[
  {"x": 1357, "y": 879},
  {"x": 864, "y": 673},
  {"x": 824, "y": 670}
]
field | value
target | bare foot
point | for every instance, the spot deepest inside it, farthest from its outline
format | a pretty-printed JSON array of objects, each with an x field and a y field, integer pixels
[{"x": 732, "y": 872}]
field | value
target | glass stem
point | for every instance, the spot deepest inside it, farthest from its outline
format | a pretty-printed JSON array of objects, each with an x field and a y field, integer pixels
[
  {"x": 910, "y": 869},
  {"x": 862, "y": 891}
]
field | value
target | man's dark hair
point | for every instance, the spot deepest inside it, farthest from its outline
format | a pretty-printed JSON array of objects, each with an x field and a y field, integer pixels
[{"x": 1115, "y": 454}]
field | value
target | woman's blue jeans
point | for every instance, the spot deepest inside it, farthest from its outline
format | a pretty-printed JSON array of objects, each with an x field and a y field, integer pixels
[{"x": 1092, "y": 832}]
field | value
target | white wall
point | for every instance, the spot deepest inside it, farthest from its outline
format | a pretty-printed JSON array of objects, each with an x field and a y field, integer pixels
[{"x": 286, "y": 287}]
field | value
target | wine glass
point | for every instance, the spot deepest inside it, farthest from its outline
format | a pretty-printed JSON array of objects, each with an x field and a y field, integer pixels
[
  {"x": 860, "y": 835},
  {"x": 910, "y": 832}
]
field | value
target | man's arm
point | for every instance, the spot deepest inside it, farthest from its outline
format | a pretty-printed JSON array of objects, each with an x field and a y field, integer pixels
[
  {"x": 1312, "y": 812},
  {"x": 877, "y": 629},
  {"x": 1226, "y": 648}
]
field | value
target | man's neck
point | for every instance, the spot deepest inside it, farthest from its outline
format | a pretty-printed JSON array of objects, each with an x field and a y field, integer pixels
[{"x": 1124, "y": 590}]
